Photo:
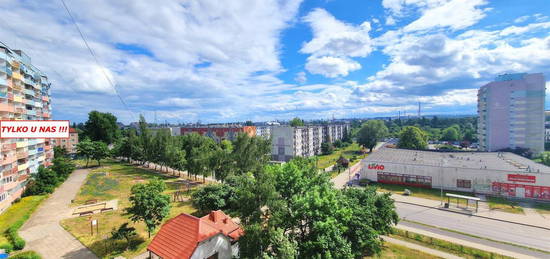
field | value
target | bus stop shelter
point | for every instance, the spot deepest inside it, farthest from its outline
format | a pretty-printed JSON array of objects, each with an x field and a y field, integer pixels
[{"x": 459, "y": 197}]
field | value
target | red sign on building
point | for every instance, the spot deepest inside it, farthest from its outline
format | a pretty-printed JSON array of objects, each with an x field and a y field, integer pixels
[
  {"x": 522, "y": 178},
  {"x": 375, "y": 167}
]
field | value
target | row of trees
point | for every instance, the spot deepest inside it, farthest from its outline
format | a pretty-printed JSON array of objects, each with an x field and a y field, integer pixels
[
  {"x": 292, "y": 211},
  {"x": 199, "y": 155},
  {"x": 47, "y": 179},
  {"x": 374, "y": 131}
]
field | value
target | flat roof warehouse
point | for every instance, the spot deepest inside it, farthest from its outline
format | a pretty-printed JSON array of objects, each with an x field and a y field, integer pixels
[{"x": 494, "y": 161}]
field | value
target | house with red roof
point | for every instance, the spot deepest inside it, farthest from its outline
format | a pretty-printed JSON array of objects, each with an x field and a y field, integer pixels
[{"x": 186, "y": 236}]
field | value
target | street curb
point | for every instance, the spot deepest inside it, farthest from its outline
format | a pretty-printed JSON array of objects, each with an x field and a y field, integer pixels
[{"x": 485, "y": 217}]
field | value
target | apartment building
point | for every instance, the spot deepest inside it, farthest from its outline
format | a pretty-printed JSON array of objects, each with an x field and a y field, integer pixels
[
  {"x": 220, "y": 132},
  {"x": 24, "y": 95},
  {"x": 70, "y": 143},
  {"x": 263, "y": 131},
  {"x": 288, "y": 142},
  {"x": 511, "y": 113}
]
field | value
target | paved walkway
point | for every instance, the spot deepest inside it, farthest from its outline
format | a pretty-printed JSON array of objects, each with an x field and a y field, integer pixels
[
  {"x": 43, "y": 232},
  {"x": 420, "y": 248}
]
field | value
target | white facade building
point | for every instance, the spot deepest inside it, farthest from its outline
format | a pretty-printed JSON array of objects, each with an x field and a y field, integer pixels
[{"x": 511, "y": 113}]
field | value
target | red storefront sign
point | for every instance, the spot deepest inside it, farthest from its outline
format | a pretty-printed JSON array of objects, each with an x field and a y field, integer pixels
[
  {"x": 522, "y": 178},
  {"x": 528, "y": 191},
  {"x": 376, "y": 167}
]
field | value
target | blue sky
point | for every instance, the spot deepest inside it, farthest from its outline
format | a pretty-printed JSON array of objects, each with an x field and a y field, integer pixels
[{"x": 224, "y": 61}]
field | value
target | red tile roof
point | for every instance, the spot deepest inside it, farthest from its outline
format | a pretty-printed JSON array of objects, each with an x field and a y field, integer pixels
[
  {"x": 180, "y": 236},
  {"x": 72, "y": 130}
]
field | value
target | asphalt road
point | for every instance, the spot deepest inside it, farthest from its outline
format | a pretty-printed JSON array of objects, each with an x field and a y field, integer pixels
[{"x": 487, "y": 228}]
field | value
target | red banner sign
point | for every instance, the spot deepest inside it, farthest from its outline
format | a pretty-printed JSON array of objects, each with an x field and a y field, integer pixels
[{"x": 522, "y": 178}]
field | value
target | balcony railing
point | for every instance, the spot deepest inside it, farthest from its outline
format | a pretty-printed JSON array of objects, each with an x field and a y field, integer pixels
[
  {"x": 5, "y": 107},
  {"x": 8, "y": 160},
  {"x": 21, "y": 155}
]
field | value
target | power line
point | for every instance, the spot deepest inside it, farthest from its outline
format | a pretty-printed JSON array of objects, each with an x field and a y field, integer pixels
[{"x": 96, "y": 59}]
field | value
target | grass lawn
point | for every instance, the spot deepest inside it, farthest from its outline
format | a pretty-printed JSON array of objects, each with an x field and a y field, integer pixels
[
  {"x": 504, "y": 205},
  {"x": 542, "y": 208},
  {"x": 20, "y": 210},
  {"x": 394, "y": 251},
  {"x": 348, "y": 152},
  {"x": 115, "y": 182},
  {"x": 426, "y": 193},
  {"x": 445, "y": 246}
]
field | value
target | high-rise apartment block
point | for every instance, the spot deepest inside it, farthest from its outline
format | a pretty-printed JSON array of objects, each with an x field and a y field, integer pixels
[
  {"x": 288, "y": 142},
  {"x": 511, "y": 113},
  {"x": 220, "y": 132},
  {"x": 24, "y": 95}
]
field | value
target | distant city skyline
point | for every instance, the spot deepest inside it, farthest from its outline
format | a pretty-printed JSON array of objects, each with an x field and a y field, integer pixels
[{"x": 238, "y": 61}]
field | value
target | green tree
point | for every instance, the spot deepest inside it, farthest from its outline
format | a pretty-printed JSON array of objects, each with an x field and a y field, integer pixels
[
  {"x": 149, "y": 204},
  {"x": 59, "y": 151},
  {"x": 412, "y": 138},
  {"x": 545, "y": 158},
  {"x": 146, "y": 141},
  {"x": 296, "y": 122},
  {"x": 371, "y": 133},
  {"x": 451, "y": 134},
  {"x": 327, "y": 148},
  {"x": 44, "y": 181},
  {"x": 101, "y": 127},
  {"x": 212, "y": 197},
  {"x": 124, "y": 232},
  {"x": 250, "y": 154},
  {"x": 99, "y": 151},
  {"x": 63, "y": 167},
  {"x": 85, "y": 148}
]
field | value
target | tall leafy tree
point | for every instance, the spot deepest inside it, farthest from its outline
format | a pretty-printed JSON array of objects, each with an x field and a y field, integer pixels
[
  {"x": 99, "y": 151},
  {"x": 198, "y": 151},
  {"x": 451, "y": 134},
  {"x": 146, "y": 141},
  {"x": 250, "y": 153},
  {"x": 101, "y": 127},
  {"x": 85, "y": 148},
  {"x": 371, "y": 133},
  {"x": 412, "y": 138},
  {"x": 149, "y": 204},
  {"x": 296, "y": 122}
]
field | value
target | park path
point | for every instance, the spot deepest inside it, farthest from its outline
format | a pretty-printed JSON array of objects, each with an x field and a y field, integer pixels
[{"x": 43, "y": 231}]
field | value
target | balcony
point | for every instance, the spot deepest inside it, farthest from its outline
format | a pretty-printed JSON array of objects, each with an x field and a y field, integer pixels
[
  {"x": 8, "y": 146},
  {"x": 18, "y": 99},
  {"x": 38, "y": 104},
  {"x": 46, "y": 115},
  {"x": 3, "y": 94},
  {"x": 10, "y": 96},
  {"x": 5, "y": 107},
  {"x": 8, "y": 160},
  {"x": 45, "y": 98},
  {"x": 23, "y": 177},
  {"x": 29, "y": 92},
  {"x": 21, "y": 155},
  {"x": 22, "y": 167},
  {"x": 3, "y": 81},
  {"x": 21, "y": 144},
  {"x": 16, "y": 76},
  {"x": 29, "y": 101}
]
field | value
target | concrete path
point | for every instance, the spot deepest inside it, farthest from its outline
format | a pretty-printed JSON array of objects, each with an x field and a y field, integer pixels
[
  {"x": 43, "y": 232},
  {"x": 420, "y": 248}
]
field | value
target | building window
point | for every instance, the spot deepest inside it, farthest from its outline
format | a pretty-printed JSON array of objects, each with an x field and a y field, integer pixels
[{"x": 463, "y": 183}]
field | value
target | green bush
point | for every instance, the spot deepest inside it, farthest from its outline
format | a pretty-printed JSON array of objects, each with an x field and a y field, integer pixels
[
  {"x": 27, "y": 255},
  {"x": 15, "y": 239},
  {"x": 7, "y": 247}
]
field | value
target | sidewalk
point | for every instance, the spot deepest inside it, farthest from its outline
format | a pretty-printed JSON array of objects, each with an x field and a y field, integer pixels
[
  {"x": 530, "y": 218},
  {"x": 465, "y": 242},
  {"x": 43, "y": 232},
  {"x": 420, "y": 248}
]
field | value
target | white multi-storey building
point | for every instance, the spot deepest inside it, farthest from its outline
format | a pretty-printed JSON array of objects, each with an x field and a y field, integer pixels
[
  {"x": 511, "y": 113},
  {"x": 305, "y": 141}
]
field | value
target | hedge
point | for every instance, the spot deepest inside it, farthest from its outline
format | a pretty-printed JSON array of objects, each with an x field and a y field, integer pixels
[{"x": 26, "y": 255}]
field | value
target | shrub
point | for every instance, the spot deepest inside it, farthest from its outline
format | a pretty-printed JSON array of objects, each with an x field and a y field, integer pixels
[
  {"x": 7, "y": 247},
  {"x": 27, "y": 255},
  {"x": 15, "y": 239}
]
